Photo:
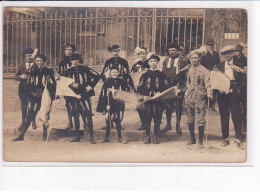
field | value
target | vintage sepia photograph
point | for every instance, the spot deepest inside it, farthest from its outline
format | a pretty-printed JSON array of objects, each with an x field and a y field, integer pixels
[{"x": 125, "y": 85}]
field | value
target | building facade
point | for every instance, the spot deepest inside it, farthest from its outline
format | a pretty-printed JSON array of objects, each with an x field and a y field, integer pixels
[{"x": 92, "y": 30}]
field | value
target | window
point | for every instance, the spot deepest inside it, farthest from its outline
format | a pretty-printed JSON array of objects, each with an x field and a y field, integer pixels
[{"x": 231, "y": 31}]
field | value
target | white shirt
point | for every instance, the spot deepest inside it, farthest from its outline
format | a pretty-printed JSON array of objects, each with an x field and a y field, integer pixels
[{"x": 228, "y": 70}]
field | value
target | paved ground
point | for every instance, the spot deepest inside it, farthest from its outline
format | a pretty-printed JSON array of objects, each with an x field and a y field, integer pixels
[{"x": 172, "y": 148}]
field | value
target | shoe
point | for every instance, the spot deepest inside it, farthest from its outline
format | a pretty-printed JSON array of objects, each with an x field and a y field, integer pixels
[
  {"x": 165, "y": 129},
  {"x": 77, "y": 139},
  {"x": 178, "y": 129},
  {"x": 92, "y": 140},
  {"x": 200, "y": 144},
  {"x": 34, "y": 125},
  {"x": 106, "y": 140},
  {"x": 70, "y": 126},
  {"x": 147, "y": 140},
  {"x": 191, "y": 141},
  {"x": 20, "y": 127},
  {"x": 241, "y": 145},
  {"x": 141, "y": 129},
  {"x": 18, "y": 139},
  {"x": 119, "y": 140},
  {"x": 225, "y": 143},
  {"x": 155, "y": 140}
]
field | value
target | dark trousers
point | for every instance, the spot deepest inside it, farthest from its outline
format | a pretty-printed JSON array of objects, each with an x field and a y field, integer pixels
[
  {"x": 33, "y": 106},
  {"x": 157, "y": 119},
  {"x": 24, "y": 104},
  {"x": 142, "y": 117},
  {"x": 113, "y": 116},
  {"x": 230, "y": 103},
  {"x": 243, "y": 94},
  {"x": 178, "y": 103},
  {"x": 78, "y": 107}
]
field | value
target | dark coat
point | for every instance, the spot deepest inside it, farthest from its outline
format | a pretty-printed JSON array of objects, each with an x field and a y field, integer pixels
[
  {"x": 38, "y": 77},
  {"x": 23, "y": 89},
  {"x": 120, "y": 63},
  {"x": 143, "y": 64},
  {"x": 84, "y": 76},
  {"x": 242, "y": 59},
  {"x": 171, "y": 72},
  {"x": 240, "y": 79},
  {"x": 209, "y": 61},
  {"x": 116, "y": 83},
  {"x": 64, "y": 65}
]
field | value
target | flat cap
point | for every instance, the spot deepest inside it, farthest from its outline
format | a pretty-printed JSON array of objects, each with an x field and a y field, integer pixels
[
  {"x": 43, "y": 57},
  {"x": 70, "y": 45},
  {"x": 27, "y": 51},
  {"x": 226, "y": 49},
  {"x": 114, "y": 47},
  {"x": 153, "y": 56}
]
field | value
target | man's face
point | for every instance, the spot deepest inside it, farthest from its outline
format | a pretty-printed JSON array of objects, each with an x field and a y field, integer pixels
[
  {"x": 210, "y": 47},
  {"x": 195, "y": 59},
  {"x": 153, "y": 63},
  {"x": 228, "y": 56},
  {"x": 39, "y": 62},
  {"x": 115, "y": 53},
  {"x": 68, "y": 51},
  {"x": 114, "y": 73},
  {"x": 173, "y": 52},
  {"x": 142, "y": 55},
  {"x": 28, "y": 58},
  {"x": 237, "y": 53},
  {"x": 74, "y": 63}
]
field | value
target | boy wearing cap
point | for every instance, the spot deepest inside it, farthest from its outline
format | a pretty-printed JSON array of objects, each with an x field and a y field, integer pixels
[
  {"x": 171, "y": 67},
  {"x": 38, "y": 76},
  {"x": 113, "y": 108},
  {"x": 23, "y": 90},
  {"x": 151, "y": 82},
  {"x": 198, "y": 89},
  {"x": 83, "y": 85},
  {"x": 230, "y": 103}
]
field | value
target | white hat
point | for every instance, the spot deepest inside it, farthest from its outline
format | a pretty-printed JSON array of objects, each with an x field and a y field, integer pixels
[{"x": 226, "y": 49}]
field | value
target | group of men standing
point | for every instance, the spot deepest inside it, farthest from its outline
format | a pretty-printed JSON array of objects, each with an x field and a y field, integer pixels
[{"x": 191, "y": 75}]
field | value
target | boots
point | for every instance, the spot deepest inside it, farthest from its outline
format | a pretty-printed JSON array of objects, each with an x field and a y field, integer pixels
[
  {"x": 147, "y": 140},
  {"x": 106, "y": 140},
  {"x": 24, "y": 128},
  {"x": 201, "y": 135},
  {"x": 77, "y": 138},
  {"x": 192, "y": 139},
  {"x": 44, "y": 138},
  {"x": 34, "y": 125},
  {"x": 168, "y": 126},
  {"x": 92, "y": 140},
  {"x": 178, "y": 129}
]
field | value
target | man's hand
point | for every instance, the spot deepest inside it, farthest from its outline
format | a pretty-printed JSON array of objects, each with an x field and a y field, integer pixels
[
  {"x": 75, "y": 85},
  {"x": 57, "y": 76},
  {"x": 108, "y": 107},
  {"x": 23, "y": 76},
  {"x": 88, "y": 88},
  {"x": 146, "y": 98}
]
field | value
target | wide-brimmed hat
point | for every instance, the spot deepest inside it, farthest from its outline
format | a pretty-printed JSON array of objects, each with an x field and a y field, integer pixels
[
  {"x": 227, "y": 49},
  {"x": 210, "y": 42}
]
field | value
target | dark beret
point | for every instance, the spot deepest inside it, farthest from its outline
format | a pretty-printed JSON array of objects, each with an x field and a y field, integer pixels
[
  {"x": 154, "y": 57},
  {"x": 43, "y": 57},
  {"x": 28, "y": 51},
  {"x": 75, "y": 56},
  {"x": 114, "y": 47},
  {"x": 173, "y": 45},
  {"x": 70, "y": 45}
]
